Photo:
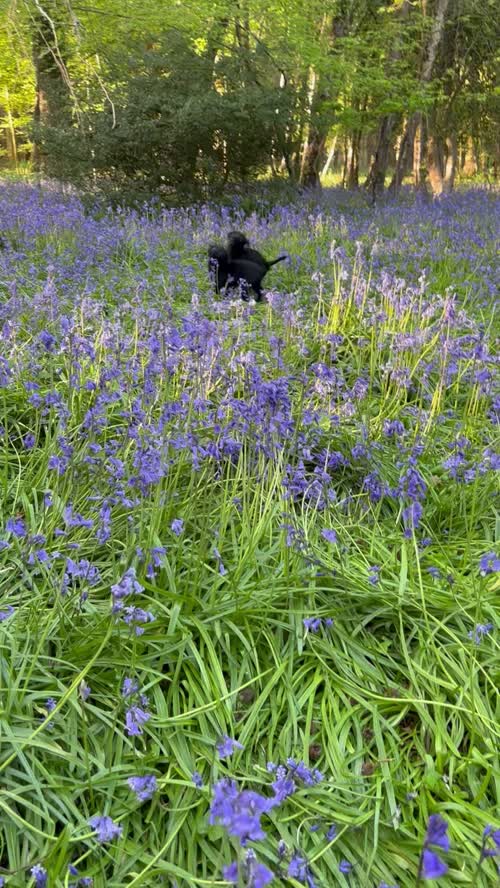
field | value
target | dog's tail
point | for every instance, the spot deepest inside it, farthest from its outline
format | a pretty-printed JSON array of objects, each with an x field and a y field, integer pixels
[{"x": 275, "y": 261}]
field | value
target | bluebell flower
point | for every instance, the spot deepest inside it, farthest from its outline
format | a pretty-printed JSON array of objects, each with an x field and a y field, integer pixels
[
  {"x": 488, "y": 564},
  {"x": 329, "y": 535},
  {"x": 331, "y": 833},
  {"x": 345, "y": 867},
  {"x": 312, "y": 623},
  {"x": 130, "y": 687},
  {"x": 39, "y": 873},
  {"x": 299, "y": 869},
  {"x": 135, "y": 718},
  {"x": 72, "y": 870},
  {"x": 144, "y": 787},
  {"x": 197, "y": 779},
  {"x": 255, "y": 874},
  {"x": 106, "y": 829},
  {"x": 29, "y": 441},
  {"x": 226, "y": 746},
  {"x": 373, "y": 572},
  {"x": 479, "y": 631},
  {"x": 135, "y": 617},
  {"x": 16, "y": 526},
  {"x": 230, "y": 873},
  {"x": 494, "y": 836},
  {"x": 239, "y": 812},
  {"x": 177, "y": 526},
  {"x": 431, "y": 865},
  {"x": 4, "y": 615},
  {"x": 282, "y": 849}
]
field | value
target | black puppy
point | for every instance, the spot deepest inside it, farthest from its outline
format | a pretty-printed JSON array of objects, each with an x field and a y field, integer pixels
[
  {"x": 239, "y": 265},
  {"x": 238, "y": 247}
]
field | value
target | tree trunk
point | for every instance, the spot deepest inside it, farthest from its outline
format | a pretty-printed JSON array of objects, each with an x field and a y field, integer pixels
[
  {"x": 353, "y": 170},
  {"x": 469, "y": 167},
  {"x": 416, "y": 127},
  {"x": 311, "y": 159},
  {"x": 450, "y": 164},
  {"x": 435, "y": 163},
  {"x": 375, "y": 181},
  {"x": 404, "y": 161},
  {"x": 330, "y": 158}
]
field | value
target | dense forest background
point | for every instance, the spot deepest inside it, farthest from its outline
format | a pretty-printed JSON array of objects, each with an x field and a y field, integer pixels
[{"x": 196, "y": 95}]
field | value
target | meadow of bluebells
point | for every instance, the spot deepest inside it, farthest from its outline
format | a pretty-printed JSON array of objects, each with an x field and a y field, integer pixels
[{"x": 248, "y": 554}]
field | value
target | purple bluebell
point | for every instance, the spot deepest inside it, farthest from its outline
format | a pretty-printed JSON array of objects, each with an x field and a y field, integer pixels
[
  {"x": 329, "y": 535},
  {"x": 177, "y": 526},
  {"x": 135, "y": 718},
  {"x": 106, "y": 829},
  {"x": 479, "y": 632},
  {"x": 5, "y": 614},
  {"x": 239, "y": 811},
  {"x": 130, "y": 687},
  {"x": 16, "y": 526},
  {"x": 136, "y": 617},
  {"x": 254, "y": 874},
  {"x": 144, "y": 787},
  {"x": 345, "y": 867},
  {"x": 299, "y": 869},
  {"x": 39, "y": 874},
  {"x": 197, "y": 779},
  {"x": 431, "y": 865},
  {"x": 488, "y": 564},
  {"x": 226, "y": 746}
]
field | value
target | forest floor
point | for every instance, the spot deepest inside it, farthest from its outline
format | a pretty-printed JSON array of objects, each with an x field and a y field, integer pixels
[{"x": 249, "y": 553}]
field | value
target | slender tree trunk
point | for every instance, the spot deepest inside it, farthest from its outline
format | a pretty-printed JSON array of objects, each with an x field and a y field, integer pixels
[
  {"x": 469, "y": 167},
  {"x": 416, "y": 128},
  {"x": 329, "y": 159},
  {"x": 375, "y": 181},
  {"x": 404, "y": 160},
  {"x": 353, "y": 171},
  {"x": 10, "y": 132},
  {"x": 450, "y": 164}
]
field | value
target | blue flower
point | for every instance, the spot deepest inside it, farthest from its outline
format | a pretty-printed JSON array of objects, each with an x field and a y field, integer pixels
[
  {"x": 432, "y": 867},
  {"x": 479, "y": 631},
  {"x": 16, "y": 526},
  {"x": 226, "y": 746},
  {"x": 135, "y": 718},
  {"x": 177, "y": 526},
  {"x": 107, "y": 830},
  {"x": 130, "y": 687},
  {"x": 197, "y": 779},
  {"x": 299, "y": 869},
  {"x": 488, "y": 564},
  {"x": 39, "y": 874},
  {"x": 144, "y": 787},
  {"x": 436, "y": 834},
  {"x": 329, "y": 535},
  {"x": 239, "y": 812},
  {"x": 255, "y": 874},
  {"x": 4, "y": 615},
  {"x": 345, "y": 867}
]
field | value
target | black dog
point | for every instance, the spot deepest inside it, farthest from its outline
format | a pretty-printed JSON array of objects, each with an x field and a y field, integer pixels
[{"x": 239, "y": 265}]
